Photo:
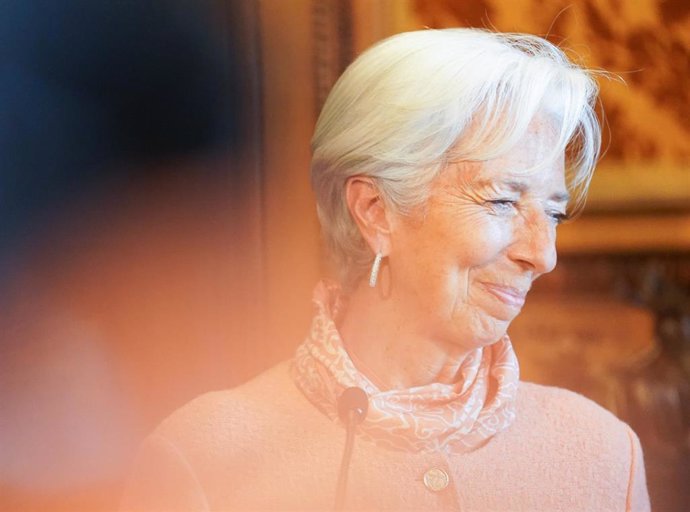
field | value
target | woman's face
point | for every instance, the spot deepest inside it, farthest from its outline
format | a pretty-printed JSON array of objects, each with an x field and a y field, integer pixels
[{"x": 461, "y": 266}]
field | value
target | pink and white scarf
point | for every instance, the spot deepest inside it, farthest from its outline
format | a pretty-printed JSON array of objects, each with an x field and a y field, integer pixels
[{"x": 457, "y": 417}]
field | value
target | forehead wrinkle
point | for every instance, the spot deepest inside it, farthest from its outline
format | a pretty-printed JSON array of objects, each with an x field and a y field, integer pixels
[{"x": 468, "y": 175}]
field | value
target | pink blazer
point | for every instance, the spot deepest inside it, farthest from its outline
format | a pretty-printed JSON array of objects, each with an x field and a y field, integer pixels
[{"x": 263, "y": 446}]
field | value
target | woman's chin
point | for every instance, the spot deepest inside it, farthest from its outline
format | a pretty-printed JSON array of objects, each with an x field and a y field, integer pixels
[{"x": 489, "y": 332}]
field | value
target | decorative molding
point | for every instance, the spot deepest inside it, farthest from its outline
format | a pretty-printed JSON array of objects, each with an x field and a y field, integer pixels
[{"x": 332, "y": 27}]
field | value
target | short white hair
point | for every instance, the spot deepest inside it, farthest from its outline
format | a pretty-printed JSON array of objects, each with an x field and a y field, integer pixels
[{"x": 418, "y": 100}]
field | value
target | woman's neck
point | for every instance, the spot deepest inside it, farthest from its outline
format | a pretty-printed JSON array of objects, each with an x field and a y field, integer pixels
[{"x": 389, "y": 348}]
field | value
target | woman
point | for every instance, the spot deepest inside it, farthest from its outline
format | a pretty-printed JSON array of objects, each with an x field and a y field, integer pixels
[{"x": 443, "y": 162}]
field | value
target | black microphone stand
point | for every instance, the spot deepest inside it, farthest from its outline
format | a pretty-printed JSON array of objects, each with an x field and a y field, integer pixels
[{"x": 352, "y": 409}]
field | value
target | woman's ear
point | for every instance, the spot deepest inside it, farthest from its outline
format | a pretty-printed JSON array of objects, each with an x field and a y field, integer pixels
[{"x": 369, "y": 212}]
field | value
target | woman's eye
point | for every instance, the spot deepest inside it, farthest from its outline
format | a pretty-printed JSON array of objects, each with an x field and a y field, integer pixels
[
  {"x": 558, "y": 217},
  {"x": 503, "y": 205}
]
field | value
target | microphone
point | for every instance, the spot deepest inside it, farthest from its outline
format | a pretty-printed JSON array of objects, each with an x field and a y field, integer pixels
[
  {"x": 353, "y": 406},
  {"x": 353, "y": 400}
]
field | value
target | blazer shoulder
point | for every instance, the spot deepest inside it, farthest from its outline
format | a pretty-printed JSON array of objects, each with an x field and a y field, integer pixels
[
  {"x": 189, "y": 458},
  {"x": 230, "y": 412},
  {"x": 574, "y": 421},
  {"x": 564, "y": 407},
  {"x": 589, "y": 440}
]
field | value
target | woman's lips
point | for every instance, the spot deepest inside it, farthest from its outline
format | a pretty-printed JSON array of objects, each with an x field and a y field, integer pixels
[{"x": 510, "y": 296}]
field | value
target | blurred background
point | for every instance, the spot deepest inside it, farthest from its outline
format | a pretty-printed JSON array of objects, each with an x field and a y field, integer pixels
[{"x": 158, "y": 236}]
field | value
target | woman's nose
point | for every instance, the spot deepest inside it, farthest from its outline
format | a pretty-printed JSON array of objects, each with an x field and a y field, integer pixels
[{"x": 534, "y": 244}]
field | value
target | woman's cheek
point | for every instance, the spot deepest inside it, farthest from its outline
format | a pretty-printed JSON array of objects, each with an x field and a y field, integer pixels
[{"x": 485, "y": 241}]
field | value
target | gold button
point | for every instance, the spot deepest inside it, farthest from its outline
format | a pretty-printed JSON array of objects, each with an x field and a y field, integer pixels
[{"x": 436, "y": 479}]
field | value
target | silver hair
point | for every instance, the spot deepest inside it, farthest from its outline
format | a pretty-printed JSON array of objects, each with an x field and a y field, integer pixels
[{"x": 416, "y": 101}]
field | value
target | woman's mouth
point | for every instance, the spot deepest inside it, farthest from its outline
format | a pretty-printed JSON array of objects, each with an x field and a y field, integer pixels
[{"x": 510, "y": 296}]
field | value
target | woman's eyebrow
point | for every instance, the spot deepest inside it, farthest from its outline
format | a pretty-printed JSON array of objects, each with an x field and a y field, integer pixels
[
  {"x": 558, "y": 197},
  {"x": 516, "y": 186},
  {"x": 520, "y": 187}
]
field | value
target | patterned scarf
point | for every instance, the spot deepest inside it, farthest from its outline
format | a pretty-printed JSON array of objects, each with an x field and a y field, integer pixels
[{"x": 457, "y": 417}]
